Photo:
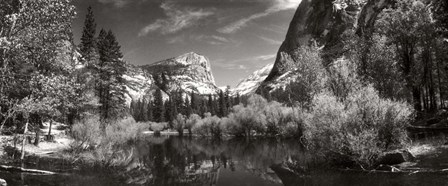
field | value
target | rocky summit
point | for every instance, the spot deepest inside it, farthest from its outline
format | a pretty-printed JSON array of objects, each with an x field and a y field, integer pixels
[{"x": 189, "y": 72}]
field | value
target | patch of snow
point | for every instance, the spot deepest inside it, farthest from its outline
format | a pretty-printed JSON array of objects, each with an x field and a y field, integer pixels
[{"x": 250, "y": 84}]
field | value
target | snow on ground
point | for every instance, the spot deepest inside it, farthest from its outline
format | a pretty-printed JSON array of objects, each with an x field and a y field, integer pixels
[{"x": 61, "y": 140}]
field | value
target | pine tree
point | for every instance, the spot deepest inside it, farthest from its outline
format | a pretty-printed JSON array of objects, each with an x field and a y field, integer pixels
[
  {"x": 109, "y": 71},
  {"x": 222, "y": 104},
  {"x": 159, "y": 111},
  {"x": 179, "y": 104},
  {"x": 228, "y": 99},
  {"x": 132, "y": 109},
  {"x": 194, "y": 103},
  {"x": 215, "y": 106},
  {"x": 144, "y": 111},
  {"x": 137, "y": 113},
  {"x": 203, "y": 107},
  {"x": 237, "y": 100},
  {"x": 150, "y": 111},
  {"x": 211, "y": 105},
  {"x": 170, "y": 109},
  {"x": 87, "y": 48}
]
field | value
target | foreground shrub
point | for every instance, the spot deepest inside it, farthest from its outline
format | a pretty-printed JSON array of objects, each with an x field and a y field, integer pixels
[
  {"x": 210, "y": 126},
  {"x": 283, "y": 121},
  {"x": 356, "y": 129},
  {"x": 101, "y": 146},
  {"x": 294, "y": 124},
  {"x": 157, "y": 127},
  {"x": 247, "y": 121},
  {"x": 179, "y": 123},
  {"x": 86, "y": 133},
  {"x": 191, "y": 122},
  {"x": 122, "y": 131}
]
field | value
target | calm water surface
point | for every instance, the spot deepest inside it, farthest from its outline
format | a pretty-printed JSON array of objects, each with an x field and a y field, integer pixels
[{"x": 184, "y": 161}]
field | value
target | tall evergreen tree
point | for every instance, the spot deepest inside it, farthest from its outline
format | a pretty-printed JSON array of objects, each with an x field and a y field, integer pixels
[
  {"x": 159, "y": 111},
  {"x": 222, "y": 104},
  {"x": 132, "y": 108},
  {"x": 215, "y": 105},
  {"x": 194, "y": 103},
  {"x": 110, "y": 82},
  {"x": 211, "y": 105},
  {"x": 237, "y": 100},
  {"x": 203, "y": 108},
  {"x": 144, "y": 111},
  {"x": 228, "y": 99},
  {"x": 137, "y": 110},
  {"x": 169, "y": 110},
  {"x": 149, "y": 112},
  {"x": 87, "y": 48}
]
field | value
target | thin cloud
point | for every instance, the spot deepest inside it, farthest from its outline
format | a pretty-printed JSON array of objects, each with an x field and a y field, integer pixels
[
  {"x": 213, "y": 39},
  {"x": 265, "y": 57},
  {"x": 118, "y": 3},
  {"x": 203, "y": 38},
  {"x": 276, "y": 6},
  {"x": 275, "y": 28},
  {"x": 270, "y": 41},
  {"x": 228, "y": 65},
  {"x": 241, "y": 64},
  {"x": 178, "y": 18},
  {"x": 175, "y": 40},
  {"x": 255, "y": 59}
]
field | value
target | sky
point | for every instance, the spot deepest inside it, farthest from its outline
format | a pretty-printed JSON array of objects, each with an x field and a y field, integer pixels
[{"x": 237, "y": 36}]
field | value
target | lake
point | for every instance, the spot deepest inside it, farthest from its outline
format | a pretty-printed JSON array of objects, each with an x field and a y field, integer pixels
[{"x": 195, "y": 161}]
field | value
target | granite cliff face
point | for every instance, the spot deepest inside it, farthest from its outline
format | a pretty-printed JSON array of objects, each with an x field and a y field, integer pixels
[
  {"x": 139, "y": 84},
  {"x": 321, "y": 23},
  {"x": 189, "y": 72}
]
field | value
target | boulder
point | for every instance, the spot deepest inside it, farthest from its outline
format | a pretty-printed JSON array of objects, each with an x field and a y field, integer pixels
[
  {"x": 3, "y": 182},
  {"x": 396, "y": 157}
]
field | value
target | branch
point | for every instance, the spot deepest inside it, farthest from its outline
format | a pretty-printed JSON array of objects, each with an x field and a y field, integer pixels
[{"x": 21, "y": 169}]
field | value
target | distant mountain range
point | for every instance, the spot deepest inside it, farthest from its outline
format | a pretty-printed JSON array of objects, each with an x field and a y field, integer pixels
[{"x": 187, "y": 73}]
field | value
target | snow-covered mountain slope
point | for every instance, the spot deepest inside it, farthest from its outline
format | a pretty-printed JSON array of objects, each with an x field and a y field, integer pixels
[
  {"x": 250, "y": 84},
  {"x": 188, "y": 72},
  {"x": 139, "y": 85}
]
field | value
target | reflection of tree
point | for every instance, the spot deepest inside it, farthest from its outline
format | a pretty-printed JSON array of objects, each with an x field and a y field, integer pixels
[{"x": 175, "y": 161}]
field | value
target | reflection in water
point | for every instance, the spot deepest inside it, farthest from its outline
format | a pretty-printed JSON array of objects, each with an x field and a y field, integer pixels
[
  {"x": 201, "y": 162},
  {"x": 193, "y": 161}
]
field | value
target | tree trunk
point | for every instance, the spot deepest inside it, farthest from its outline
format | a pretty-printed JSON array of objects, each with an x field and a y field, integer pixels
[
  {"x": 36, "y": 141},
  {"x": 23, "y": 141},
  {"x": 416, "y": 98},
  {"x": 49, "y": 130},
  {"x": 439, "y": 83}
]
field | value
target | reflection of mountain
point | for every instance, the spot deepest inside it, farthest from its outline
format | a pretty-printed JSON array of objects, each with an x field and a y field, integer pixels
[{"x": 180, "y": 161}]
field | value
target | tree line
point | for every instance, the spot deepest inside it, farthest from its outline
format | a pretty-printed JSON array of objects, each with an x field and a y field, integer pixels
[{"x": 159, "y": 110}]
